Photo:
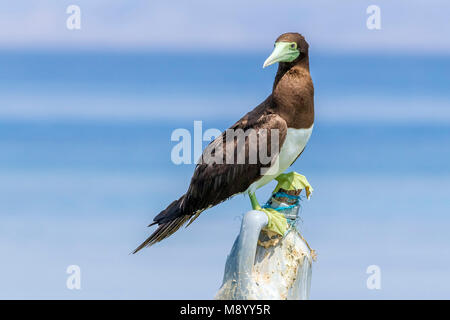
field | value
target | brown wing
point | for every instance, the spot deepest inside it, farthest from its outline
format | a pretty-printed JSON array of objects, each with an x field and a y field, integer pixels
[{"x": 215, "y": 181}]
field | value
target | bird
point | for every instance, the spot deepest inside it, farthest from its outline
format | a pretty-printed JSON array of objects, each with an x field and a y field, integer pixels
[{"x": 288, "y": 111}]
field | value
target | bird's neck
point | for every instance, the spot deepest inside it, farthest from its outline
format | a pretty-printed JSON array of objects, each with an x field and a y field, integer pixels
[
  {"x": 284, "y": 67},
  {"x": 293, "y": 94}
]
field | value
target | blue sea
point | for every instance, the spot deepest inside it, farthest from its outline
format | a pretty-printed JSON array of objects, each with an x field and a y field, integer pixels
[{"x": 85, "y": 145}]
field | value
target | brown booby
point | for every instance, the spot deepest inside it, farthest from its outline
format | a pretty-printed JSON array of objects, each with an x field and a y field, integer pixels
[{"x": 289, "y": 110}]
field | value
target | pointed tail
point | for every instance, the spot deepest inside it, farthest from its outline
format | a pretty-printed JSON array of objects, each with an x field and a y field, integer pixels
[{"x": 169, "y": 221}]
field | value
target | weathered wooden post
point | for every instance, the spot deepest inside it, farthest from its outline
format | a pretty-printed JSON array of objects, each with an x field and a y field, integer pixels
[{"x": 269, "y": 258}]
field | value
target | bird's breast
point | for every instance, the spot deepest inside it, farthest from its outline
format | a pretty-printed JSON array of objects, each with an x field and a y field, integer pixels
[{"x": 295, "y": 142}]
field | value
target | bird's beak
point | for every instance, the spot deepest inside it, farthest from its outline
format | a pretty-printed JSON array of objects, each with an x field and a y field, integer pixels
[{"x": 282, "y": 53}]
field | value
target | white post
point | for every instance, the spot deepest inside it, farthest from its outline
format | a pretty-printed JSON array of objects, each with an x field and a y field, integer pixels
[{"x": 262, "y": 268}]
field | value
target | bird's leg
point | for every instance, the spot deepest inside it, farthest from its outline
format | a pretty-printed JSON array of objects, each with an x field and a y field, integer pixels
[{"x": 254, "y": 201}]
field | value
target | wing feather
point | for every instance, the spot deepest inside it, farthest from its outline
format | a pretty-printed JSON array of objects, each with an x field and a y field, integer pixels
[{"x": 215, "y": 182}]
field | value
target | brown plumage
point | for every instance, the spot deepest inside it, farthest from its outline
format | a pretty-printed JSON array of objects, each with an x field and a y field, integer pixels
[{"x": 291, "y": 105}]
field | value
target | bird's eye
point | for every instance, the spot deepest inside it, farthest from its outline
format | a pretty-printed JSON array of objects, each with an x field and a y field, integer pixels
[{"x": 294, "y": 46}]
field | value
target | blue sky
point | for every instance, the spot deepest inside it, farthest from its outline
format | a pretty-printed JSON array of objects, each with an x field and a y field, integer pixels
[
  {"x": 415, "y": 29},
  {"x": 409, "y": 26},
  {"x": 82, "y": 113}
]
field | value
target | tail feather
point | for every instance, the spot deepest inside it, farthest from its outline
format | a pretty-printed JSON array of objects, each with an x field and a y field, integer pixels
[
  {"x": 169, "y": 221},
  {"x": 164, "y": 230}
]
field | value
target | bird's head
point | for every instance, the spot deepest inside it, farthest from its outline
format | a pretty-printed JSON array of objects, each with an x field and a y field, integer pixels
[{"x": 289, "y": 47}]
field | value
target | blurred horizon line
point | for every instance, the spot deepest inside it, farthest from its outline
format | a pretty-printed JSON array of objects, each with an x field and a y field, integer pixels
[{"x": 50, "y": 50}]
